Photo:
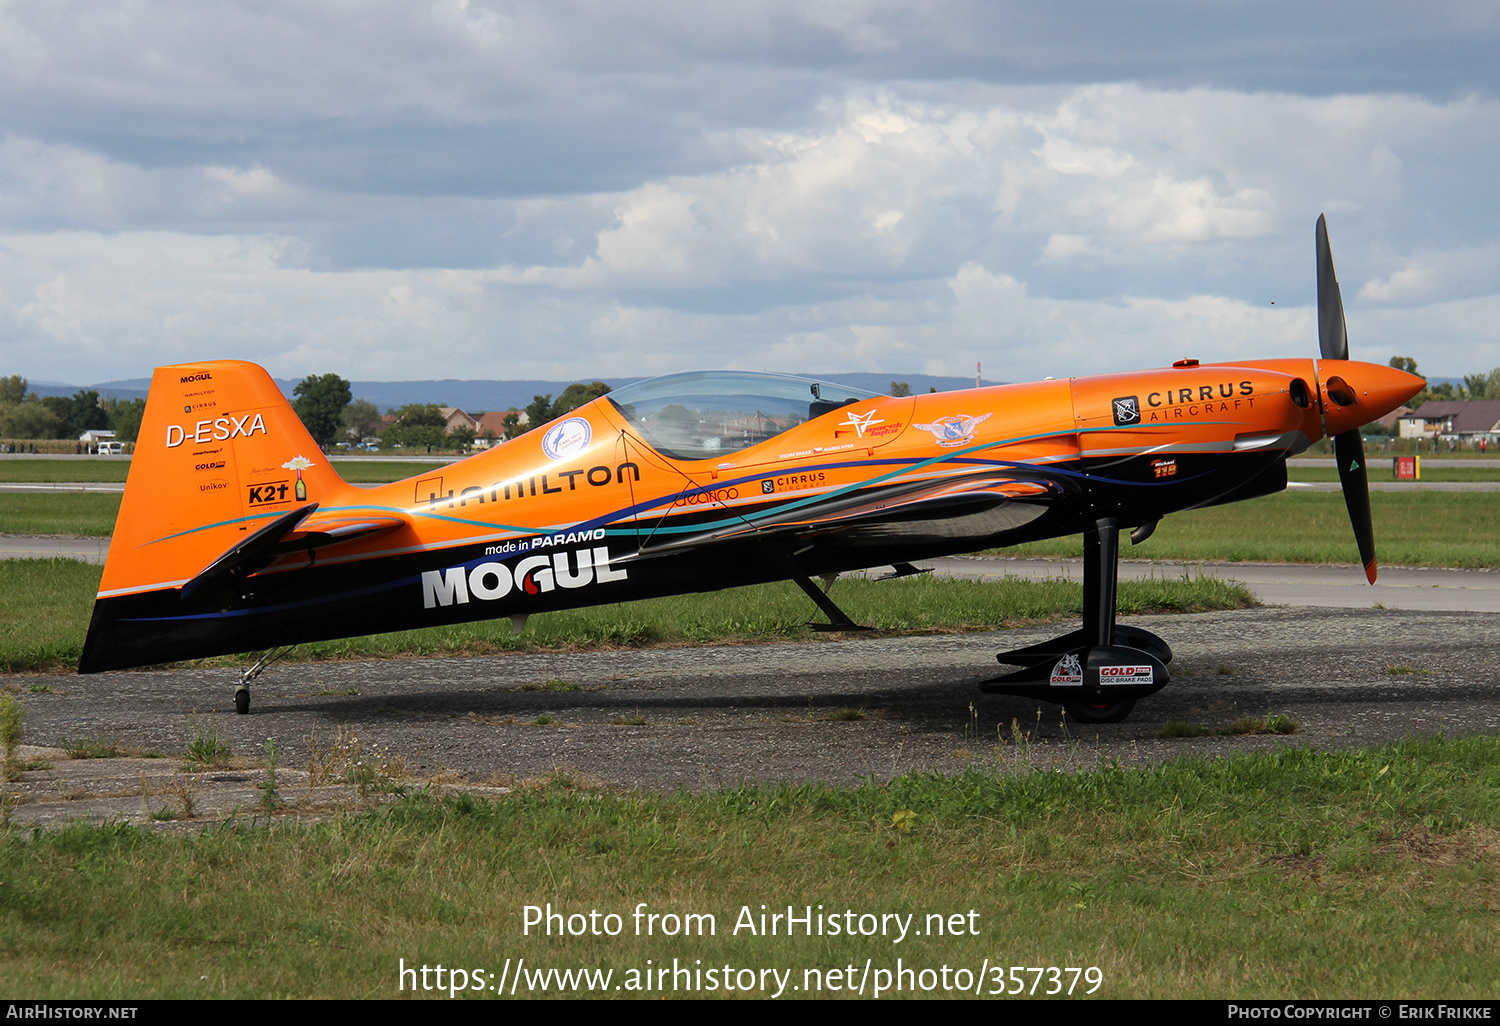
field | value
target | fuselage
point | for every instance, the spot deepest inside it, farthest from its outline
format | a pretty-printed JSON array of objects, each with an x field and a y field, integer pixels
[{"x": 587, "y": 510}]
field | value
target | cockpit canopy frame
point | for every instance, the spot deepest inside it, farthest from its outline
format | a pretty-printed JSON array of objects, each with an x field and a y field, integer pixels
[{"x": 704, "y": 415}]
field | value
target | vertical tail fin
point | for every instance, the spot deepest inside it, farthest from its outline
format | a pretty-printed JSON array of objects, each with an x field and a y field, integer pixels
[{"x": 220, "y": 453}]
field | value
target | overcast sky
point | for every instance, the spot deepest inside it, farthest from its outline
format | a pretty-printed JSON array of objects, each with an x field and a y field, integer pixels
[{"x": 392, "y": 190}]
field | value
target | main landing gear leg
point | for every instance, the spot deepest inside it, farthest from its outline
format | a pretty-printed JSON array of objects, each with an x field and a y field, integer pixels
[
  {"x": 1098, "y": 671},
  {"x": 242, "y": 691},
  {"x": 838, "y": 620}
]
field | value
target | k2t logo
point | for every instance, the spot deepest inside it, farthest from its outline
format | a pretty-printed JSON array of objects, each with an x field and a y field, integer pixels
[
  {"x": 1127, "y": 410},
  {"x": 268, "y": 491}
]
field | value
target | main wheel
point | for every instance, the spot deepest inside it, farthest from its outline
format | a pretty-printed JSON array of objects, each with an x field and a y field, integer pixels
[
  {"x": 242, "y": 701},
  {"x": 1098, "y": 712}
]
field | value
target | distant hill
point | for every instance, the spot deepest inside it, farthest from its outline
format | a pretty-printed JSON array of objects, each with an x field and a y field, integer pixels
[{"x": 475, "y": 396}]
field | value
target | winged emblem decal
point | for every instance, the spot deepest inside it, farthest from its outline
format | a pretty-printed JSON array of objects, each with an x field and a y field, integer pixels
[{"x": 954, "y": 430}]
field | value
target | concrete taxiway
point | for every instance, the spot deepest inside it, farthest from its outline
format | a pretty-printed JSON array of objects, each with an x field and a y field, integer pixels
[{"x": 834, "y": 709}]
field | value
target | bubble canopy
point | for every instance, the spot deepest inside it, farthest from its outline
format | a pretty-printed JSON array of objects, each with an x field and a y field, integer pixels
[{"x": 709, "y": 414}]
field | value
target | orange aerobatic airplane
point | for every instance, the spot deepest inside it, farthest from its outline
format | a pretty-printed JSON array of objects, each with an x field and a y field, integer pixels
[{"x": 236, "y": 534}]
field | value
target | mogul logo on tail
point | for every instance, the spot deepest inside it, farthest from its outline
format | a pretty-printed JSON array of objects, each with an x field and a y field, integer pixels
[{"x": 532, "y": 576}]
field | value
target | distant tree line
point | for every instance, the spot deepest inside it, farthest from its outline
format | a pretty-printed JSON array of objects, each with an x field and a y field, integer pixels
[
  {"x": 1473, "y": 386},
  {"x": 544, "y": 408},
  {"x": 320, "y": 402},
  {"x": 332, "y": 415},
  {"x": 24, "y": 414}
]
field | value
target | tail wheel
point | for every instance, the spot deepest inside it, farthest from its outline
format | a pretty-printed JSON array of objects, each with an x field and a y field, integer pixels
[{"x": 1098, "y": 712}]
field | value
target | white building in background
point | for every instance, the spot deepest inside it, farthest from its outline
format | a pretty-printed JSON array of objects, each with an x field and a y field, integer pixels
[{"x": 1455, "y": 420}]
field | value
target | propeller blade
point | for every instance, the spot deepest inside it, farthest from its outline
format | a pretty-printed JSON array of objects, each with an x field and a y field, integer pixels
[
  {"x": 1349, "y": 450},
  {"x": 1336, "y": 395},
  {"x": 1333, "y": 336}
]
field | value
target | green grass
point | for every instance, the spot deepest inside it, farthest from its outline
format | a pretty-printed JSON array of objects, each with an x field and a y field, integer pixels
[
  {"x": 12, "y": 716},
  {"x": 1273, "y": 723},
  {"x": 61, "y": 471},
  {"x": 209, "y": 746},
  {"x": 1356, "y": 874},
  {"x": 1380, "y": 470},
  {"x": 45, "y": 606},
  {"x": 89, "y": 514},
  {"x": 90, "y": 747},
  {"x": 114, "y": 471},
  {"x": 1411, "y": 529},
  {"x": 44, "y": 612}
]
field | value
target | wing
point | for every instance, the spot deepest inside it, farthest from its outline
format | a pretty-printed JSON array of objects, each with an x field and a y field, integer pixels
[{"x": 975, "y": 505}]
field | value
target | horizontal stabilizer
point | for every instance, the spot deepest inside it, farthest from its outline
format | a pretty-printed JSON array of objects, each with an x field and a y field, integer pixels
[
  {"x": 322, "y": 529},
  {"x": 252, "y": 554},
  {"x": 300, "y": 530}
]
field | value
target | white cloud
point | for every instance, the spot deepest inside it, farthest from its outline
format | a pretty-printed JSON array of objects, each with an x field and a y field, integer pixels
[
  {"x": 244, "y": 182},
  {"x": 523, "y": 189},
  {"x": 121, "y": 303},
  {"x": 892, "y": 189},
  {"x": 1429, "y": 275},
  {"x": 1061, "y": 247},
  {"x": 997, "y": 316}
]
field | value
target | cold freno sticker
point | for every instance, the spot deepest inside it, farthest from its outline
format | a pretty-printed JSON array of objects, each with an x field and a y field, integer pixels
[{"x": 1067, "y": 671}]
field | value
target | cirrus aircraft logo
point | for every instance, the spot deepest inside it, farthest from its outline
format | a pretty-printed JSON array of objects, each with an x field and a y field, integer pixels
[
  {"x": 569, "y": 438},
  {"x": 1127, "y": 410}
]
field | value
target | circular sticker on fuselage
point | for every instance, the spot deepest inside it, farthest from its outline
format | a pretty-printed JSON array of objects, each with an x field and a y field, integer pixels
[{"x": 567, "y": 439}]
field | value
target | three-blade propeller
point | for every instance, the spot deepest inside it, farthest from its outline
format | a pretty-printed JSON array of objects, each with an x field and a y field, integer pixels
[{"x": 1348, "y": 448}]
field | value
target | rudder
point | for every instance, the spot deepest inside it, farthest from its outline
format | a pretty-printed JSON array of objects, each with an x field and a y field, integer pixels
[{"x": 220, "y": 453}]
